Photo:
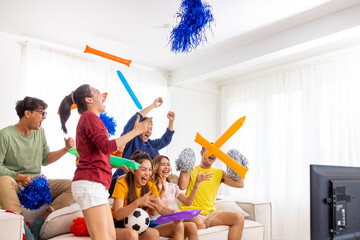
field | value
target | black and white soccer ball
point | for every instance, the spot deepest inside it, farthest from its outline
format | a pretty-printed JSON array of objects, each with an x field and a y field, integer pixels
[{"x": 138, "y": 220}]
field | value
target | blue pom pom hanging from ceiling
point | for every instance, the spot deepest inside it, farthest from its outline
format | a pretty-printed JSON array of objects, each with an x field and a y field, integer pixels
[
  {"x": 195, "y": 17},
  {"x": 109, "y": 122}
]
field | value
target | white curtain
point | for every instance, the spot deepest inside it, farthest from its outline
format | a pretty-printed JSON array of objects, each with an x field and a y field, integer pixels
[
  {"x": 50, "y": 73},
  {"x": 303, "y": 113}
]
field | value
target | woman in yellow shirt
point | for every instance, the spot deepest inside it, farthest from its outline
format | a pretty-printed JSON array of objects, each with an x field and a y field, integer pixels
[{"x": 133, "y": 191}]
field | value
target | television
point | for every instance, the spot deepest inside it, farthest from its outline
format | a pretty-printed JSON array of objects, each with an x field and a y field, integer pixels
[{"x": 334, "y": 202}]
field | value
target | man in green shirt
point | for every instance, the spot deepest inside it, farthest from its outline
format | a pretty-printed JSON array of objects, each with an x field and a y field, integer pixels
[{"x": 23, "y": 149}]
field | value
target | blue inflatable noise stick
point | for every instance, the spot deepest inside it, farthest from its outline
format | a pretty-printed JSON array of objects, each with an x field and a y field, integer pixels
[{"x": 129, "y": 90}]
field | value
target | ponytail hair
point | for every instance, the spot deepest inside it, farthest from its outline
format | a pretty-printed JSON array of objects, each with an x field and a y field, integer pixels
[
  {"x": 76, "y": 97},
  {"x": 138, "y": 157}
]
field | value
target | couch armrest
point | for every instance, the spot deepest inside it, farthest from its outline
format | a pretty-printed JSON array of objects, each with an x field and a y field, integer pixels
[
  {"x": 11, "y": 226},
  {"x": 260, "y": 212}
]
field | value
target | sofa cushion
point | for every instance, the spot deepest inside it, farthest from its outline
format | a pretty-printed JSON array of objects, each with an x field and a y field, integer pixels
[
  {"x": 69, "y": 236},
  {"x": 228, "y": 205},
  {"x": 59, "y": 221},
  {"x": 253, "y": 230},
  {"x": 32, "y": 215}
]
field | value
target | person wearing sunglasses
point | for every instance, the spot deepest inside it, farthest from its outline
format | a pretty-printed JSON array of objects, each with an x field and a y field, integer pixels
[{"x": 23, "y": 149}]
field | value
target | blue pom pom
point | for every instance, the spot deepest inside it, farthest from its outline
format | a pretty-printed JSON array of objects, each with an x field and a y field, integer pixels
[
  {"x": 109, "y": 123},
  {"x": 195, "y": 17},
  {"x": 36, "y": 194}
]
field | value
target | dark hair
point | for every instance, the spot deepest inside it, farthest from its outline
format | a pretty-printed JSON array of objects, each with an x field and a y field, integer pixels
[
  {"x": 138, "y": 157},
  {"x": 145, "y": 119},
  {"x": 30, "y": 104},
  {"x": 156, "y": 163},
  {"x": 78, "y": 97}
]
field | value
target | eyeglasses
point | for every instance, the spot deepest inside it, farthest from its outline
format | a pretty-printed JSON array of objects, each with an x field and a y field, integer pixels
[{"x": 43, "y": 113}]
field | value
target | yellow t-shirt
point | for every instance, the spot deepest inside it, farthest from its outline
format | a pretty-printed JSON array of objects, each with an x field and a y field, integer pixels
[
  {"x": 205, "y": 195},
  {"x": 121, "y": 190}
]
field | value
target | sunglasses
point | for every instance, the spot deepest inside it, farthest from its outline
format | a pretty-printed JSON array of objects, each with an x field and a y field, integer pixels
[{"x": 43, "y": 113}]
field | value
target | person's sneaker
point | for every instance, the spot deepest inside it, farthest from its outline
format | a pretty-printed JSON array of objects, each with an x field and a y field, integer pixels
[
  {"x": 28, "y": 234},
  {"x": 36, "y": 226}
]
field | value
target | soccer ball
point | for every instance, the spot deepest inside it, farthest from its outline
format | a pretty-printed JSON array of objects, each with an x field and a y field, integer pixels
[{"x": 138, "y": 220}]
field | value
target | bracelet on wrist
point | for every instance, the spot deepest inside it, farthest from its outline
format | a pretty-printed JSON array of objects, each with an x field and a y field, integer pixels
[{"x": 197, "y": 187}]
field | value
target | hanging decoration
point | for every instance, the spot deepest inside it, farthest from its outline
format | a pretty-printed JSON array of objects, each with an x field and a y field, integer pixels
[
  {"x": 129, "y": 90},
  {"x": 107, "y": 55},
  {"x": 195, "y": 18}
]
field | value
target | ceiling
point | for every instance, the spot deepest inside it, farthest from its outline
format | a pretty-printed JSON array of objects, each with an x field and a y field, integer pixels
[{"x": 139, "y": 29}]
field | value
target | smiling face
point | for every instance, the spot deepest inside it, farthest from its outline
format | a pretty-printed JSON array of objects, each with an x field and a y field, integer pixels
[
  {"x": 143, "y": 173},
  {"x": 31, "y": 112},
  {"x": 164, "y": 168}
]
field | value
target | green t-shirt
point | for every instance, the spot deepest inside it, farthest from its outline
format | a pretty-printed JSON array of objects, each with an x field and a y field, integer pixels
[{"x": 22, "y": 154}]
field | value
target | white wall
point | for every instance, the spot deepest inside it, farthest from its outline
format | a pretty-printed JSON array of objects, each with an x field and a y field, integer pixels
[
  {"x": 10, "y": 72},
  {"x": 196, "y": 111}
]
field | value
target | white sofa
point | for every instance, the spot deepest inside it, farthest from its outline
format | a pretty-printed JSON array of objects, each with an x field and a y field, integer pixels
[{"x": 57, "y": 225}]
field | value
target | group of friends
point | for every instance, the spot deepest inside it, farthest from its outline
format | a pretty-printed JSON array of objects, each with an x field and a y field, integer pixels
[{"x": 23, "y": 149}]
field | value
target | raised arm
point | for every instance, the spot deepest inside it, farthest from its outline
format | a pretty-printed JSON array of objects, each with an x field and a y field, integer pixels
[
  {"x": 171, "y": 117},
  {"x": 232, "y": 183},
  {"x": 184, "y": 179},
  {"x": 56, "y": 155},
  {"x": 157, "y": 103}
]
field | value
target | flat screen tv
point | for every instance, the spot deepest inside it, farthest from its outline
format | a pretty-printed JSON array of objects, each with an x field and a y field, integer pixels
[{"x": 334, "y": 202}]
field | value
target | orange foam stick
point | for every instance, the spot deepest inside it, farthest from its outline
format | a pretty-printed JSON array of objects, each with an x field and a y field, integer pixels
[
  {"x": 227, "y": 134},
  {"x": 75, "y": 106},
  {"x": 107, "y": 55},
  {"x": 222, "y": 156}
]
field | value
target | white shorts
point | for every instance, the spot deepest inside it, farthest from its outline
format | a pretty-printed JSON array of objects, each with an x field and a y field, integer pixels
[{"x": 89, "y": 194}]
